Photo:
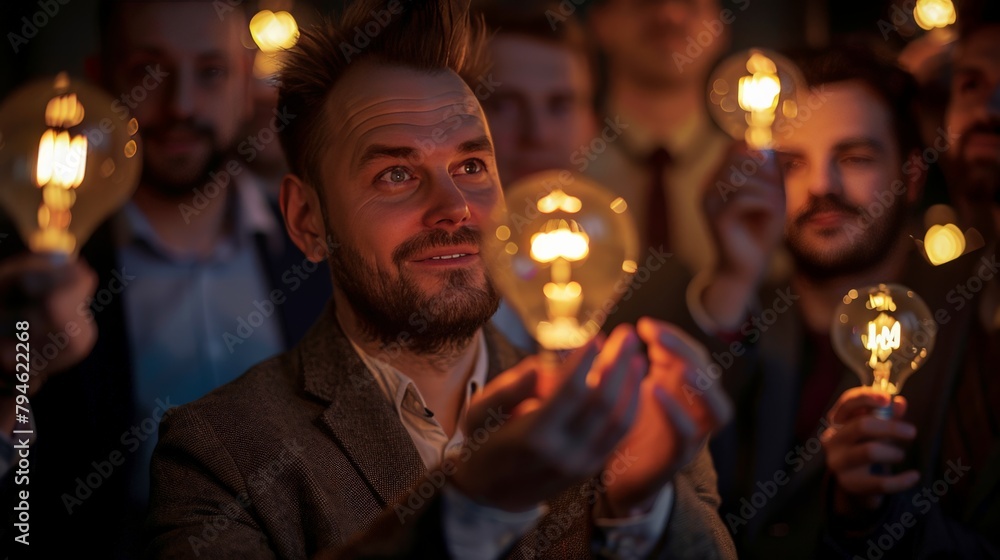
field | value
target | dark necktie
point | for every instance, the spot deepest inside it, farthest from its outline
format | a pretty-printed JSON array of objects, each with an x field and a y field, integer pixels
[{"x": 657, "y": 212}]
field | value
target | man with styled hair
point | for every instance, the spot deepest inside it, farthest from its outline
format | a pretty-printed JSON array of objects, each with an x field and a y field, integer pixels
[{"x": 403, "y": 425}]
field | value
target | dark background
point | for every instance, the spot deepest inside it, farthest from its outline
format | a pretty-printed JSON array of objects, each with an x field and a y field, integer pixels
[{"x": 71, "y": 35}]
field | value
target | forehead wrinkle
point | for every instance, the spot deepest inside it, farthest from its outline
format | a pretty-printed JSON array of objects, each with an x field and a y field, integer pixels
[
  {"x": 405, "y": 109},
  {"x": 407, "y": 130}
]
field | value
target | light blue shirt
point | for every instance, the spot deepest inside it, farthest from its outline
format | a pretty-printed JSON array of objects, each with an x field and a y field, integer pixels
[{"x": 178, "y": 309}]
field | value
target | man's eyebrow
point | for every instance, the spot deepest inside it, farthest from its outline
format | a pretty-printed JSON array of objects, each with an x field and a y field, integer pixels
[
  {"x": 481, "y": 144},
  {"x": 376, "y": 151},
  {"x": 788, "y": 153},
  {"x": 861, "y": 142}
]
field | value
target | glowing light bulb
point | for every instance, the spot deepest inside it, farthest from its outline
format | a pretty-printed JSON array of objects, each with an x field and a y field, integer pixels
[
  {"x": 884, "y": 333},
  {"x": 931, "y": 14},
  {"x": 560, "y": 254},
  {"x": 750, "y": 92},
  {"x": 944, "y": 241},
  {"x": 274, "y": 31},
  {"x": 69, "y": 161}
]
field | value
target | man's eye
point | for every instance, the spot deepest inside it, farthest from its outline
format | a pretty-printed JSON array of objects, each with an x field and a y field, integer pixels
[
  {"x": 395, "y": 175},
  {"x": 791, "y": 164},
  {"x": 473, "y": 166},
  {"x": 857, "y": 160}
]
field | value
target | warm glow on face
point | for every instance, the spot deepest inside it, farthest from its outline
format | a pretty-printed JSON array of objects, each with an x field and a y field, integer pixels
[
  {"x": 944, "y": 243},
  {"x": 930, "y": 14},
  {"x": 274, "y": 31}
]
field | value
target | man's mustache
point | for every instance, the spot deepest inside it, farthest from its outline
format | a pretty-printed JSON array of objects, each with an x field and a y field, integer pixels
[
  {"x": 435, "y": 238},
  {"x": 989, "y": 125},
  {"x": 826, "y": 203}
]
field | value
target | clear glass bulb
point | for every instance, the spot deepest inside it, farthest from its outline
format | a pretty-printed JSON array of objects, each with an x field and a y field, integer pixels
[
  {"x": 750, "y": 92},
  {"x": 562, "y": 253},
  {"x": 69, "y": 161},
  {"x": 884, "y": 333}
]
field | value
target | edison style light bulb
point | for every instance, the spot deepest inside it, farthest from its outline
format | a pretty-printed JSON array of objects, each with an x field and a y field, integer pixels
[
  {"x": 70, "y": 159},
  {"x": 884, "y": 333},
  {"x": 562, "y": 254},
  {"x": 750, "y": 92}
]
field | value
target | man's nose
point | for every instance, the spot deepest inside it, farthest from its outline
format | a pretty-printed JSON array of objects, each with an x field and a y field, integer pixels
[
  {"x": 447, "y": 203},
  {"x": 825, "y": 180},
  {"x": 183, "y": 96}
]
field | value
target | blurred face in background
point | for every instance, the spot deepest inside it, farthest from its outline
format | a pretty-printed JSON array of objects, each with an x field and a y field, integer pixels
[
  {"x": 541, "y": 110},
  {"x": 974, "y": 114},
  {"x": 642, "y": 37},
  {"x": 182, "y": 71},
  {"x": 839, "y": 169}
]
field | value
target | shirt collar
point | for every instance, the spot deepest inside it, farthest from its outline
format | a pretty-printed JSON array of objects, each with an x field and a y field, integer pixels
[
  {"x": 395, "y": 385},
  {"x": 248, "y": 211}
]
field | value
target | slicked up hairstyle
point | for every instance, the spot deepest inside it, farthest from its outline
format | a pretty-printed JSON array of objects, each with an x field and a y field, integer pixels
[
  {"x": 428, "y": 35},
  {"x": 881, "y": 75}
]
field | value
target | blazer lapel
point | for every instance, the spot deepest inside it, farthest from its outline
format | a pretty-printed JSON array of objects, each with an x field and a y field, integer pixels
[{"x": 361, "y": 420}]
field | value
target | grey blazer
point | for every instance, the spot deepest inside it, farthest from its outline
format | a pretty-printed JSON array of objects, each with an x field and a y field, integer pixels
[{"x": 304, "y": 455}]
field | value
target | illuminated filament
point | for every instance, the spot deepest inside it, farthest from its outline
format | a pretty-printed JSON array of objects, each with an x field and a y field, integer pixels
[
  {"x": 561, "y": 243},
  {"x": 758, "y": 95},
  {"x": 60, "y": 168},
  {"x": 883, "y": 337}
]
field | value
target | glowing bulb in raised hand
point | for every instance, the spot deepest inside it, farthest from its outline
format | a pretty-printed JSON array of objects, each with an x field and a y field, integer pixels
[
  {"x": 68, "y": 162},
  {"x": 931, "y": 14},
  {"x": 560, "y": 254},
  {"x": 884, "y": 333},
  {"x": 750, "y": 92}
]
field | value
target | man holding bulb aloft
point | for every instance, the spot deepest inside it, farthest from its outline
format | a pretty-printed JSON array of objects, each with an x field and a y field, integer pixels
[{"x": 844, "y": 215}]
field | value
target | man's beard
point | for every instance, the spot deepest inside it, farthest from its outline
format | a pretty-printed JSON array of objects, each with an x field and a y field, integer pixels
[
  {"x": 979, "y": 178},
  {"x": 869, "y": 244},
  {"x": 395, "y": 310},
  {"x": 167, "y": 183}
]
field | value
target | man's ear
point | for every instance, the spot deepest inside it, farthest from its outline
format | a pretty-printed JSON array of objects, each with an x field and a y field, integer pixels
[
  {"x": 914, "y": 176},
  {"x": 300, "y": 206}
]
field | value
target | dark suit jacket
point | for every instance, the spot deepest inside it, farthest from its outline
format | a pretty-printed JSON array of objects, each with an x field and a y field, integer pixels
[
  {"x": 82, "y": 413},
  {"x": 304, "y": 452}
]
